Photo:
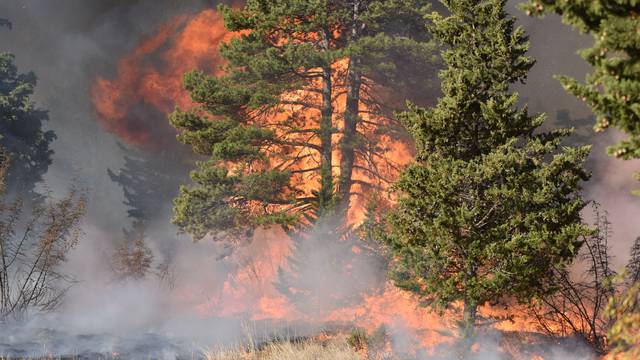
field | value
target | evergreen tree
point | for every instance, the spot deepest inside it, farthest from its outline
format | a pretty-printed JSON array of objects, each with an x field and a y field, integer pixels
[
  {"x": 149, "y": 184},
  {"x": 612, "y": 90},
  {"x": 577, "y": 295},
  {"x": 297, "y": 111},
  {"x": 490, "y": 204},
  {"x": 633, "y": 266},
  {"x": 21, "y": 133},
  {"x": 624, "y": 334}
]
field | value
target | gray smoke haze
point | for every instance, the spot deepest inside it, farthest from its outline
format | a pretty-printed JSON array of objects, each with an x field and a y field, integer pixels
[
  {"x": 67, "y": 43},
  {"x": 554, "y": 46}
]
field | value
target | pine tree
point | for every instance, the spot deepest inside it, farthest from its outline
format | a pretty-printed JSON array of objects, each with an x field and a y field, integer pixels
[
  {"x": 577, "y": 296},
  {"x": 297, "y": 111},
  {"x": 21, "y": 132},
  {"x": 148, "y": 185},
  {"x": 490, "y": 204},
  {"x": 147, "y": 182},
  {"x": 612, "y": 90},
  {"x": 633, "y": 266}
]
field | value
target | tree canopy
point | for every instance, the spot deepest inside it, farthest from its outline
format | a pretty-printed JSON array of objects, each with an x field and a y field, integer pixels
[
  {"x": 148, "y": 186},
  {"x": 490, "y": 203},
  {"x": 21, "y": 129},
  {"x": 299, "y": 123}
]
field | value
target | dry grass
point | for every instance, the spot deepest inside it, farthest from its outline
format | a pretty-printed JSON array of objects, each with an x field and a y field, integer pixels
[{"x": 306, "y": 350}]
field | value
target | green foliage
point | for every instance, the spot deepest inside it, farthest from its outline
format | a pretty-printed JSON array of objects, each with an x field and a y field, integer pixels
[
  {"x": 270, "y": 125},
  {"x": 576, "y": 297},
  {"x": 357, "y": 339},
  {"x": 624, "y": 334},
  {"x": 633, "y": 266},
  {"x": 148, "y": 185},
  {"x": 21, "y": 133},
  {"x": 489, "y": 205},
  {"x": 612, "y": 90},
  {"x": 223, "y": 201}
]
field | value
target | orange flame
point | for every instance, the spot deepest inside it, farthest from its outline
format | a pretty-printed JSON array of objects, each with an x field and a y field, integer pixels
[
  {"x": 184, "y": 44},
  {"x": 190, "y": 42}
]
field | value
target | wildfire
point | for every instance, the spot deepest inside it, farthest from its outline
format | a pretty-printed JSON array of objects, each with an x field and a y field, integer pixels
[
  {"x": 250, "y": 289},
  {"x": 151, "y": 76}
]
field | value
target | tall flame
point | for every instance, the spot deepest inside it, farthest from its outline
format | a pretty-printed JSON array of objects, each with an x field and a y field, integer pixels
[{"x": 151, "y": 76}]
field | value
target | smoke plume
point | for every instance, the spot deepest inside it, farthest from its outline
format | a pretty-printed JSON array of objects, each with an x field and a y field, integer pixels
[{"x": 109, "y": 72}]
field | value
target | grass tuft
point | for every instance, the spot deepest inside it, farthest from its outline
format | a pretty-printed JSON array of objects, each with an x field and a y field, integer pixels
[{"x": 286, "y": 350}]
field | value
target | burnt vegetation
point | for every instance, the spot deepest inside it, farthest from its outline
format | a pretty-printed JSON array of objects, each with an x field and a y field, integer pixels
[{"x": 33, "y": 245}]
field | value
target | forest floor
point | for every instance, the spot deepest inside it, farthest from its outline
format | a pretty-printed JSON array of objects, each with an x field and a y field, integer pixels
[{"x": 324, "y": 345}]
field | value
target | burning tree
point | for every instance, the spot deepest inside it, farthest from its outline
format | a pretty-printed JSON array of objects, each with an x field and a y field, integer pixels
[
  {"x": 21, "y": 133},
  {"x": 32, "y": 249},
  {"x": 612, "y": 90},
  {"x": 490, "y": 205},
  {"x": 296, "y": 127}
]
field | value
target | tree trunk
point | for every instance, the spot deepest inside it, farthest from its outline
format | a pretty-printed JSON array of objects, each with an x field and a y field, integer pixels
[
  {"x": 469, "y": 316},
  {"x": 4, "y": 283},
  {"x": 351, "y": 119},
  {"x": 468, "y": 327},
  {"x": 349, "y": 136},
  {"x": 325, "y": 194}
]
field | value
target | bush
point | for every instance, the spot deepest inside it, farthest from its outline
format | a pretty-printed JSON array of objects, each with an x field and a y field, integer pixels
[
  {"x": 358, "y": 339},
  {"x": 624, "y": 334}
]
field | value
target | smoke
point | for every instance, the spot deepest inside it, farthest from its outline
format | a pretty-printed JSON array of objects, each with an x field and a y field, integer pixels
[
  {"x": 493, "y": 345},
  {"x": 148, "y": 83},
  {"x": 208, "y": 294},
  {"x": 554, "y": 46},
  {"x": 138, "y": 319},
  {"x": 68, "y": 44},
  {"x": 208, "y": 300}
]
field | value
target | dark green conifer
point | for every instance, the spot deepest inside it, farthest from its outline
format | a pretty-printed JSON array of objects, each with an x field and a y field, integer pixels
[
  {"x": 270, "y": 126},
  {"x": 148, "y": 185},
  {"x": 21, "y": 129},
  {"x": 490, "y": 203}
]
